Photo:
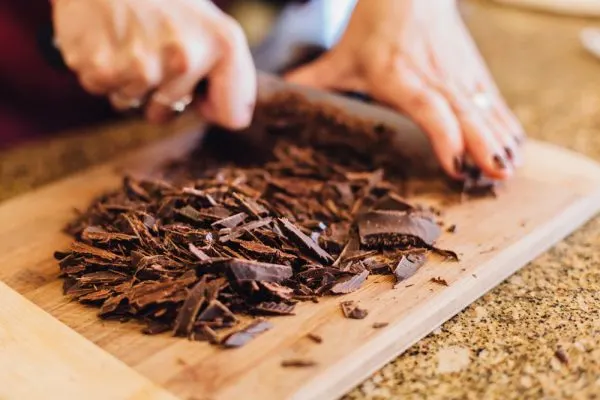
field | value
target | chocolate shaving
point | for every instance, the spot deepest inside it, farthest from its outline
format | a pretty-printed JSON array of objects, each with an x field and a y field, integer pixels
[
  {"x": 305, "y": 242},
  {"x": 272, "y": 308},
  {"x": 408, "y": 266},
  {"x": 298, "y": 363},
  {"x": 184, "y": 322},
  {"x": 243, "y": 336},
  {"x": 350, "y": 284},
  {"x": 379, "y": 325}
]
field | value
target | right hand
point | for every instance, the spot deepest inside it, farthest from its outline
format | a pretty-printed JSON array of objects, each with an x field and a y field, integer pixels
[{"x": 130, "y": 49}]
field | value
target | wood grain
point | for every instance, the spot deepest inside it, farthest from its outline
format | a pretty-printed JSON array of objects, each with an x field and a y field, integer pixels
[{"x": 41, "y": 358}]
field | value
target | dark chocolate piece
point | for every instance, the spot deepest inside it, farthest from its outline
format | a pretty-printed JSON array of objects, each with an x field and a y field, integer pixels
[
  {"x": 393, "y": 228},
  {"x": 272, "y": 308},
  {"x": 408, "y": 266},
  {"x": 243, "y": 336},
  {"x": 350, "y": 284},
  {"x": 305, "y": 242},
  {"x": 352, "y": 310}
]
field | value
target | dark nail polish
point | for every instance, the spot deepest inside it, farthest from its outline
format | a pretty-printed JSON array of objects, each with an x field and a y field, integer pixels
[
  {"x": 509, "y": 153},
  {"x": 499, "y": 162},
  {"x": 459, "y": 167}
]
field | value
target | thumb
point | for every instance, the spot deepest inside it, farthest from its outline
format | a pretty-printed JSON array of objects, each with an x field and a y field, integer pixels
[{"x": 327, "y": 72}]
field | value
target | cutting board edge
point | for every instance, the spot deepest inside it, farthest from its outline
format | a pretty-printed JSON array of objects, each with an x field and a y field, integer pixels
[{"x": 316, "y": 390}]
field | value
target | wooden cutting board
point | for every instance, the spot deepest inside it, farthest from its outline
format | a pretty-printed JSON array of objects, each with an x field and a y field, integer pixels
[{"x": 70, "y": 353}]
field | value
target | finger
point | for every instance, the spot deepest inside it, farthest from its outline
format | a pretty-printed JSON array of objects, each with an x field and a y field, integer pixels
[
  {"x": 430, "y": 110},
  {"x": 327, "y": 72},
  {"x": 482, "y": 144},
  {"x": 185, "y": 62},
  {"x": 143, "y": 73},
  {"x": 232, "y": 85}
]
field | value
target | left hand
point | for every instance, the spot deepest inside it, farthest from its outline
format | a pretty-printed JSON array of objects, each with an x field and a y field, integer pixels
[{"x": 419, "y": 58}]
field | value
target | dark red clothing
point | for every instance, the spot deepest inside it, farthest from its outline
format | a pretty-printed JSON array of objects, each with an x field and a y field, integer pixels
[{"x": 35, "y": 98}]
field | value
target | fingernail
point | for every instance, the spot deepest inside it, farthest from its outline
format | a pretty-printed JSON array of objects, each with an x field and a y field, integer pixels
[
  {"x": 519, "y": 139},
  {"x": 458, "y": 165},
  {"x": 509, "y": 153},
  {"x": 499, "y": 162}
]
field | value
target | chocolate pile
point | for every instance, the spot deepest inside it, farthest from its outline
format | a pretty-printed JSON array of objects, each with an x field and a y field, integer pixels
[{"x": 208, "y": 241}]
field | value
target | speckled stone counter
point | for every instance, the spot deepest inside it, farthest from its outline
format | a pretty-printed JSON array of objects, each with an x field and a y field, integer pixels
[{"x": 537, "y": 335}]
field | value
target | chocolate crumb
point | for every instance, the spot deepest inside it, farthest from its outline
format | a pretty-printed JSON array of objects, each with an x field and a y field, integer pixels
[
  {"x": 298, "y": 363},
  {"x": 440, "y": 281},
  {"x": 379, "y": 325},
  {"x": 315, "y": 338}
]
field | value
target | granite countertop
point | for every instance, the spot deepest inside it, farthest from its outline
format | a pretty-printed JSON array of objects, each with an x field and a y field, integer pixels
[{"x": 537, "y": 335}]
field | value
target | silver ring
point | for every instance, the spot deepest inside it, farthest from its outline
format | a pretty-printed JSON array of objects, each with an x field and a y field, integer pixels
[
  {"x": 125, "y": 102},
  {"x": 482, "y": 100},
  {"x": 177, "y": 106}
]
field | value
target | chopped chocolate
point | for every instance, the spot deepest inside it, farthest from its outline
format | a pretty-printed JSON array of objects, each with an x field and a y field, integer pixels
[
  {"x": 200, "y": 254},
  {"x": 379, "y": 325},
  {"x": 315, "y": 338},
  {"x": 352, "y": 310},
  {"x": 451, "y": 228},
  {"x": 232, "y": 221},
  {"x": 439, "y": 280},
  {"x": 247, "y": 270},
  {"x": 272, "y": 308},
  {"x": 243, "y": 336},
  {"x": 350, "y": 284},
  {"x": 298, "y": 363},
  {"x": 305, "y": 242},
  {"x": 243, "y": 227},
  {"x": 408, "y": 266},
  {"x": 393, "y": 229},
  {"x": 184, "y": 322}
]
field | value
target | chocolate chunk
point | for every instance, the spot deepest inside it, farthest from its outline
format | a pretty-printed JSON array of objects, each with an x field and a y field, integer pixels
[
  {"x": 184, "y": 322},
  {"x": 247, "y": 270},
  {"x": 216, "y": 310},
  {"x": 243, "y": 336},
  {"x": 392, "y": 228},
  {"x": 306, "y": 242},
  {"x": 451, "y": 229},
  {"x": 353, "y": 311},
  {"x": 350, "y": 284}
]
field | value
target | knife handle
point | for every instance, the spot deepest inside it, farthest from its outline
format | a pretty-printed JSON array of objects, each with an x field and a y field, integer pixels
[{"x": 54, "y": 58}]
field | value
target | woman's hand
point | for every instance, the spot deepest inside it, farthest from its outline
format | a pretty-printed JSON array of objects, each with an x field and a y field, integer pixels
[
  {"x": 131, "y": 49},
  {"x": 418, "y": 57}
]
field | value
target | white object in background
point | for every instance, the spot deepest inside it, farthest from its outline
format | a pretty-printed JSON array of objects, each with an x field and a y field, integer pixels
[
  {"x": 590, "y": 39},
  {"x": 572, "y": 7}
]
